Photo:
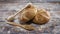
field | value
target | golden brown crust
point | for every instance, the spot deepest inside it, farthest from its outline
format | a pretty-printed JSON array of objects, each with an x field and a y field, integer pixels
[
  {"x": 27, "y": 13},
  {"x": 41, "y": 17}
]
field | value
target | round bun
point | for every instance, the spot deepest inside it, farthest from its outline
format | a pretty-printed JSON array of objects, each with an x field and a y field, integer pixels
[
  {"x": 27, "y": 13},
  {"x": 41, "y": 17}
]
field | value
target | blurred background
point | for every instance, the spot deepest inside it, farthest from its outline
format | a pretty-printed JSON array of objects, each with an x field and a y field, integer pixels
[{"x": 9, "y": 7}]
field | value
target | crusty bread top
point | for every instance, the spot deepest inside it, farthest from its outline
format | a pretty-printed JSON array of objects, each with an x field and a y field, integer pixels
[
  {"x": 28, "y": 13},
  {"x": 41, "y": 17}
]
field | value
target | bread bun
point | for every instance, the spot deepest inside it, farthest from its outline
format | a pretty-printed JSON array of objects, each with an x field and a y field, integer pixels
[
  {"x": 27, "y": 13},
  {"x": 41, "y": 17}
]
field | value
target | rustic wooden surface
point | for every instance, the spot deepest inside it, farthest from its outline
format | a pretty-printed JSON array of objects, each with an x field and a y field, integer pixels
[{"x": 9, "y": 7}]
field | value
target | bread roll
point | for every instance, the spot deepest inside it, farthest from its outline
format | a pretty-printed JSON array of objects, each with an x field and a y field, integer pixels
[
  {"x": 41, "y": 17},
  {"x": 27, "y": 13}
]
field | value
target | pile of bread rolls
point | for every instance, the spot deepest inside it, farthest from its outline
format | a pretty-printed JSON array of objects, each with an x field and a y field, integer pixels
[{"x": 30, "y": 13}]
